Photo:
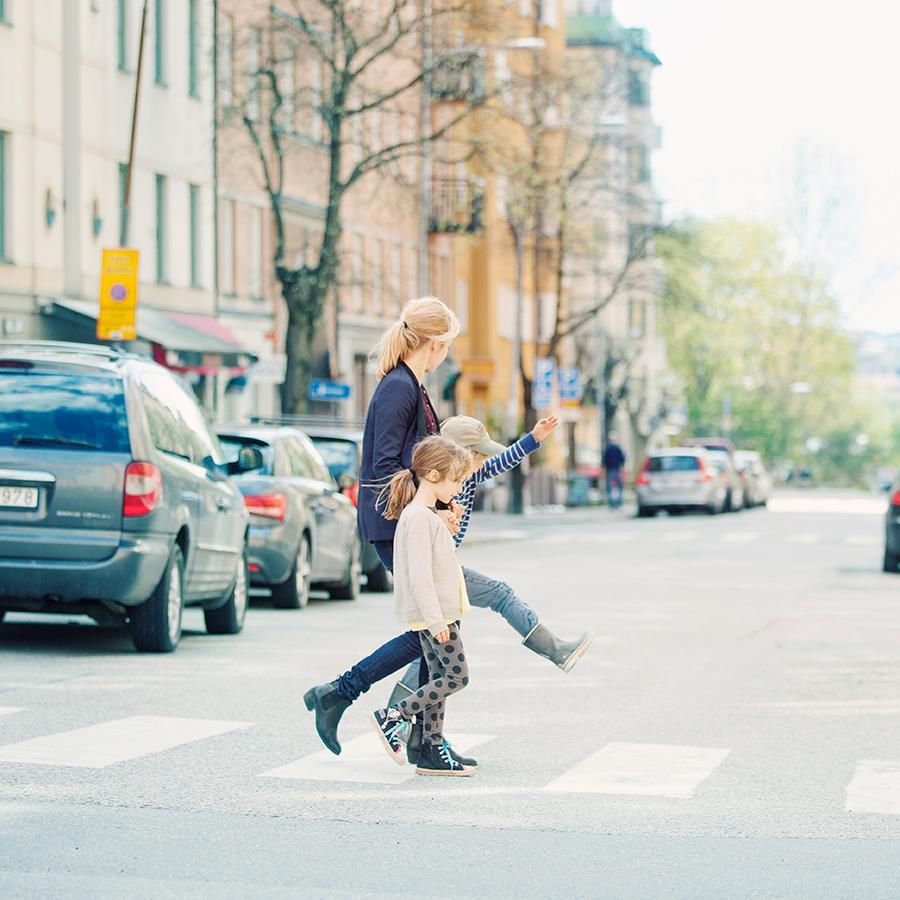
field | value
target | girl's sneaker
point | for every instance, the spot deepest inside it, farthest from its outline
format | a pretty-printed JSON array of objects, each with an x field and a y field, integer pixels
[
  {"x": 466, "y": 761},
  {"x": 389, "y": 725},
  {"x": 437, "y": 759}
]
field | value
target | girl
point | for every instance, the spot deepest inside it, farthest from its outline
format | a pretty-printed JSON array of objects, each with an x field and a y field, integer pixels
[{"x": 430, "y": 598}]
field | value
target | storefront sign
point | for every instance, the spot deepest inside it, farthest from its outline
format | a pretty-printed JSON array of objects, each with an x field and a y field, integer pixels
[{"x": 118, "y": 295}]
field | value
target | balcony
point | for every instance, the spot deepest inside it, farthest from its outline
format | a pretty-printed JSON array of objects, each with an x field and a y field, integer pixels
[
  {"x": 457, "y": 206},
  {"x": 458, "y": 75}
]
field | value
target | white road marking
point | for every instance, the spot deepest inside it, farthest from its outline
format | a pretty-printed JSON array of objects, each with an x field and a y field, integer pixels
[
  {"x": 862, "y": 540},
  {"x": 860, "y": 506},
  {"x": 362, "y": 760},
  {"x": 9, "y": 710},
  {"x": 681, "y": 536},
  {"x": 875, "y": 788},
  {"x": 739, "y": 537},
  {"x": 98, "y": 746},
  {"x": 648, "y": 770},
  {"x": 803, "y": 537}
]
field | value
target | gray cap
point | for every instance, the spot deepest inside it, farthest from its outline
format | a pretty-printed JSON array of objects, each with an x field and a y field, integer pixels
[{"x": 471, "y": 434}]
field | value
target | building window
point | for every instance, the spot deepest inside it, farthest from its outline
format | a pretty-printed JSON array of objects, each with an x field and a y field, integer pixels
[
  {"x": 639, "y": 165},
  {"x": 287, "y": 86},
  {"x": 226, "y": 61},
  {"x": 3, "y": 17},
  {"x": 255, "y": 253},
  {"x": 254, "y": 64},
  {"x": 159, "y": 48},
  {"x": 378, "y": 279},
  {"x": 4, "y": 164},
  {"x": 194, "y": 198},
  {"x": 122, "y": 34},
  {"x": 637, "y": 318},
  {"x": 226, "y": 247},
  {"x": 161, "y": 229},
  {"x": 123, "y": 189},
  {"x": 358, "y": 263},
  {"x": 193, "y": 50},
  {"x": 638, "y": 89}
]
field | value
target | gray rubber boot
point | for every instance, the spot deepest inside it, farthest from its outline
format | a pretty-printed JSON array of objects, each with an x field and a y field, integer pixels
[
  {"x": 329, "y": 706},
  {"x": 561, "y": 653},
  {"x": 407, "y": 685}
]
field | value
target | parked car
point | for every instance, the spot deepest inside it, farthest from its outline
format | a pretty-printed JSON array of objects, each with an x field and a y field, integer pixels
[
  {"x": 341, "y": 448},
  {"x": 758, "y": 482},
  {"x": 892, "y": 529},
  {"x": 724, "y": 462},
  {"x": 115, "y": 500},
  {"x": 302, "y": 528},
  {"x": 681, "y": 478}
]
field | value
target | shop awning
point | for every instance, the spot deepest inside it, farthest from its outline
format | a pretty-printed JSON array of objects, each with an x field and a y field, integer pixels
[{"x": 180, "y": 341}]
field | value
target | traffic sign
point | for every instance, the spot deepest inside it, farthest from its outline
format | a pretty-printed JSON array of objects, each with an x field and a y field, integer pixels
[
  {"x": 570, "y": 384},
  {"x": 328, "y": 390},
  {"x": 117, "y": 320},
  {"x": 544, "y": 377}
]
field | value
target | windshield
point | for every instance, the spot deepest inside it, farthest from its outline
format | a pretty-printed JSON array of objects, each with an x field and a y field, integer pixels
[
  {"x": 68, "y": 412},
  {"x": 231, "y": 447},
  {"x": 339, "y": 456}
]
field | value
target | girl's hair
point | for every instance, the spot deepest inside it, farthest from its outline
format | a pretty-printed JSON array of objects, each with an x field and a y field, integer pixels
[
  {"x": 434, "y": 453},
  {"x": 425, "y": 319}
]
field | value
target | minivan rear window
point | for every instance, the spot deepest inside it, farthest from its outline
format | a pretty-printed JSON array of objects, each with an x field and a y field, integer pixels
[
  {"x": 674, "y": 464},
  {"x": 62, "y": 411},
  {"x": 339, "y": 456}
]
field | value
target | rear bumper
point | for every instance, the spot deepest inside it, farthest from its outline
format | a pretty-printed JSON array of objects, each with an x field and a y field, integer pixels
[
  {"x": 661, "y": 499},
  {"x": 271, "y": 553},
  {"x": 128, "y": 577}
]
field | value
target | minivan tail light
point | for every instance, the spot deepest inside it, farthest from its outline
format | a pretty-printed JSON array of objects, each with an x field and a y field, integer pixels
[
  {"x": 269, "y": 506},
  {"x": 705, "y": 475},
  {"x": 644, "y": 479},
  {"x": 143, "y": 489},
  {"x": 352, "y": 493},
  {"x": 895, "y": 498}
]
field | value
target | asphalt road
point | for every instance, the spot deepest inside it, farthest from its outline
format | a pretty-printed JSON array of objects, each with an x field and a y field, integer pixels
[{"x": 733, "y": 732}]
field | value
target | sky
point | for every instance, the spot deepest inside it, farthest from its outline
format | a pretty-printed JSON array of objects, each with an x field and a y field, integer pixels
[{"x": 743, "y": 85}]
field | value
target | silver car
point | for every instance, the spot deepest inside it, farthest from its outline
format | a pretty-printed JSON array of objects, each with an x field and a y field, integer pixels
[
  {"x": 758, "y": 480},
  {"x": 680, "y": 478}
]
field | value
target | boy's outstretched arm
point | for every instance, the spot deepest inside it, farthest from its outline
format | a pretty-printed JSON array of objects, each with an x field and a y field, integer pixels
[{"x": 514, "y": 454}]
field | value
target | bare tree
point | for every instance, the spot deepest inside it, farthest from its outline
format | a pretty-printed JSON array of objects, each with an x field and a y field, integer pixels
[{"x": 371, "y": 63}]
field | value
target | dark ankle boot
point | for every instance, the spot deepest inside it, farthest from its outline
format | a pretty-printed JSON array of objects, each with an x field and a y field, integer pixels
[
  {"x": 329, "y": 706},
  {"x": 414, "y": 743},
  {"x": 436, "y": 759},
  {"x": 561, "y": 653}
]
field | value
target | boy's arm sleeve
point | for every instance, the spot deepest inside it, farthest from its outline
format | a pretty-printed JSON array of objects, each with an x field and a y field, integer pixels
[
  {"x": 419, "y": 552},
  {"x": 508, "y": 459},
  {"x": 396, "y": 408}
]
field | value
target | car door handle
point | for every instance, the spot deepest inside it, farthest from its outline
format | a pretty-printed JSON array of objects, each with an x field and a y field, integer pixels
[{"x": 222, "y": 504}]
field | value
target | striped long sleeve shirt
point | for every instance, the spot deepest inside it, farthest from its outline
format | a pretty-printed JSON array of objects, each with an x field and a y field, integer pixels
[{"x": 496, "y": 465}]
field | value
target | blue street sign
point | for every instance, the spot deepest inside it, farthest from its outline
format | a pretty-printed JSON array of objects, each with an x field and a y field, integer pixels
[
  {"x": 328, "y": 390},
  {"x": 542, "y": 388},
  {"x": 569, "y": 384}
]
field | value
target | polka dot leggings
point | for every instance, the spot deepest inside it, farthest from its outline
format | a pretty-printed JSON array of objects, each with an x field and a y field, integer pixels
[{"x": 449, "y": 673}]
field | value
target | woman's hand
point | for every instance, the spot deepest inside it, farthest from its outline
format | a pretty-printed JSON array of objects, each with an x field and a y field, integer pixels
[
  {"x": 442, "y": 637},
  {"x": 543, "y": 428},
  {"x": 450, "y": 519}
]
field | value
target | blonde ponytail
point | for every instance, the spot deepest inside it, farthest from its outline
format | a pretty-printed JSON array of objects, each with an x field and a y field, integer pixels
[
  {"x": 433, "y": 454},
  {"x": 425, "y": 319}
]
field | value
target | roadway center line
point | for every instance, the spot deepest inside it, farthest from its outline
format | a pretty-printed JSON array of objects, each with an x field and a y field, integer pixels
[
  {"x": 875, "y": 788},
  {"x": 861, "y": 540},
  {"x": 681, "y": 536},
  {"x": 98, "y": 746},
  {"x": 648, "y": 770},
  {"x": 803, "y": 537},
  {"x": 362, "y": 760},
  {"x": 739, "y": 537}
]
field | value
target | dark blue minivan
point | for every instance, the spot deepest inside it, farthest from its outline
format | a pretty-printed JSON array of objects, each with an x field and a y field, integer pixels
[{"x": 115, "y": 500}]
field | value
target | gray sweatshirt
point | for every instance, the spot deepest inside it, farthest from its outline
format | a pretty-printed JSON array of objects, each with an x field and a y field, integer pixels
[{"x": 428, "y": 583}]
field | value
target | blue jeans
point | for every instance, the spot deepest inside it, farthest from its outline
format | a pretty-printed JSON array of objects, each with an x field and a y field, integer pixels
[
  {"x": 614, "y": 488},
  {"x": 484, "y": 592}
]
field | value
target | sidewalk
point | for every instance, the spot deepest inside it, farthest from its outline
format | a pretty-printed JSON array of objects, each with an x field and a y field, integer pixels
[{"x": 487, "y": 527}]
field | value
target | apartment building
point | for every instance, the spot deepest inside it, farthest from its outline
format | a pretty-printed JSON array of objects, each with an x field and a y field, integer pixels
[{"x": 64, "y": 145}]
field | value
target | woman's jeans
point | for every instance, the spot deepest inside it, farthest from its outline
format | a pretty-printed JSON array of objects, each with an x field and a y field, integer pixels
[{"x": 484, "y": 592}]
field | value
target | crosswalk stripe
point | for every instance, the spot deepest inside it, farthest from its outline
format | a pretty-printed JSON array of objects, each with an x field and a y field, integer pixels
[
  {"x": 649, "y": 770},
  {"x": 680, "y": 536},
  {"x": 98, "y": 746},
  {"x": 875, "y": 788},
  {"x": 861, "y": 540},
  {"x": 739, "y": 537},
  {"x": 362, "y": 760},
  {"x": 9, "y": 710},
  {"x": 803, "y": 538}
]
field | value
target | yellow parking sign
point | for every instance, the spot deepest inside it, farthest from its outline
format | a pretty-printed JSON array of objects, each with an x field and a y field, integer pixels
[{"x": 118, "y": 295}]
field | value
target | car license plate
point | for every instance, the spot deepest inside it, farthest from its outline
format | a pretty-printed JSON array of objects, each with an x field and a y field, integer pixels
[{"x": 18, "y": 497}]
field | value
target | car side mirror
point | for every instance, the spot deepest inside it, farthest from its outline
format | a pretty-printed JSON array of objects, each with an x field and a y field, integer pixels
[
  {"x": 346, "y": 481},
  {"x": 249, "y": 459}
]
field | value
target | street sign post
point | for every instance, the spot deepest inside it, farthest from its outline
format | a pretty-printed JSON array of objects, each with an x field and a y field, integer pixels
[
  {"x": 117, "y": 320},
  {"x": 328, "y": 390},
  {"x": 542, "y": 387},
  {"x": 570, "y": 391}
]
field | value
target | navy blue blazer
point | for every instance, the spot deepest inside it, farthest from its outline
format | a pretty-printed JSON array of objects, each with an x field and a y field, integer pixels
[{"x": 395, "y": 423}]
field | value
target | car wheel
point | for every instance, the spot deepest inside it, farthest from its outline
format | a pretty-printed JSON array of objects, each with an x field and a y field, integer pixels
[
  {"x": 156, "y": 623},
  {"x": 379, "y": 580},
  {"x": 891, "y": 560},
  {"x": 644, "y": 512},
  {"x": 349, "y": 588},
  {"x": 294, "y": 592},
  {"x": 229, "y": 618}
]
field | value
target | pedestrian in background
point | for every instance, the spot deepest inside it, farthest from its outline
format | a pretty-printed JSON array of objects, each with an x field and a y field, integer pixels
[
  {"x": 430, "y": 600},
  {"x": 613, "y": 463}
]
